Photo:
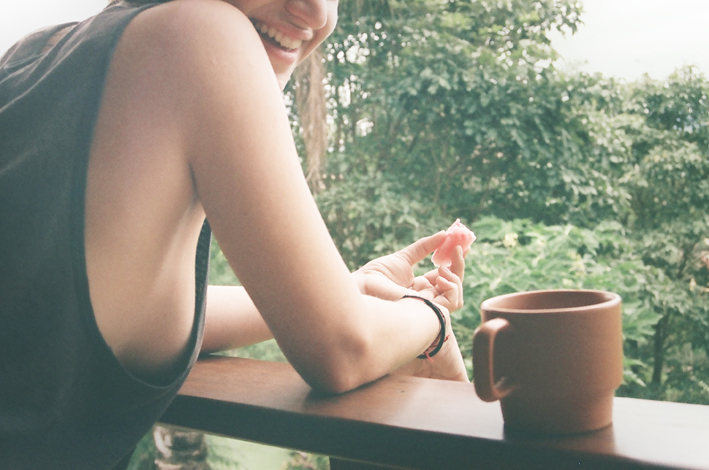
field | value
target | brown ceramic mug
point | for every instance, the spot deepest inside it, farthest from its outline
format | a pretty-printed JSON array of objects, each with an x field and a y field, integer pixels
[{"x": 553, "y": 358}]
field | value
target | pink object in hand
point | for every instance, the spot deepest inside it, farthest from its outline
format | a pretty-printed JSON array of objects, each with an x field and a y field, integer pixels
[{"x": 456, "y": 235}]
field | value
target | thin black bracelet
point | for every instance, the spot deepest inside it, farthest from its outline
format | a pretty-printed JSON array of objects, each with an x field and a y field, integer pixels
[{"x": 441, "y": 318}]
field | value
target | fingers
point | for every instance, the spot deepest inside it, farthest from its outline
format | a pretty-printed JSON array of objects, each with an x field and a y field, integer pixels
[
  {"x": 449, "y": 295},
  {"x": 441, "y": 285},
  {"x": 458, "y": 262},
  {"x": 429, "y": 294},
  {"x": 422, "y": 283},
  {"x": 431, "y": 276},
  {"x": 455, "y": 279},
  {"x": 419, "y": 249}
]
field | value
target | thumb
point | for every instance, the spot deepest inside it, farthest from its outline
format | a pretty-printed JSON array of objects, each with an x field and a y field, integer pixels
[{"x": 421, "y": 248}]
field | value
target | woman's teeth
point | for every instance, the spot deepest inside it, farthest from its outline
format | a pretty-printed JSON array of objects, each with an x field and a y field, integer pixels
[{"x": 281, "y": 39}]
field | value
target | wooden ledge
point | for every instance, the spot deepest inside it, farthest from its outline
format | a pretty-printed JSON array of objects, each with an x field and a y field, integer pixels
[{"x": 416, "y": 423}]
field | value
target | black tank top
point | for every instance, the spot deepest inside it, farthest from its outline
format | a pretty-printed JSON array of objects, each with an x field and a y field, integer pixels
[{"x": 65, "y": 400}]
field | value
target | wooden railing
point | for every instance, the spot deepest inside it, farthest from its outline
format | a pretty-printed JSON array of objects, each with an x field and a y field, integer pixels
[{"x": 404, "y": 422}]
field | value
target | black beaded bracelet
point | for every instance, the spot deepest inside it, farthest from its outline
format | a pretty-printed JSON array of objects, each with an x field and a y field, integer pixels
[{"x": 441, "y": 318}]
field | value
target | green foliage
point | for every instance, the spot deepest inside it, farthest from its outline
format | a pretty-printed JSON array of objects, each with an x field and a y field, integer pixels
[
  {"x": 679, "y": 105},
  {"x": 369, "y": 215},
  {"x": 305, "y": 461},
  {"x": 459, "y": 99},
  {"x": 518, "y": 255},
  {"x": 222, "y": 454},
  {"x": 445, "y": 109},
  {"x": 144, "y": 455},
  {"x": 220, "y": 273}
]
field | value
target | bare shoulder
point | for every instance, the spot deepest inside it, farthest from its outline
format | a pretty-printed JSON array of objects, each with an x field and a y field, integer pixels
[
  {"x": 192, "y": 34},
  {"x": 191, "y": 23},
  {"x": 188, "y": 56}
]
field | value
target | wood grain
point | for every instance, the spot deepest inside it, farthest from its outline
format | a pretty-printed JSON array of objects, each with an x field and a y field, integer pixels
[{"x": 417, "y": 423}]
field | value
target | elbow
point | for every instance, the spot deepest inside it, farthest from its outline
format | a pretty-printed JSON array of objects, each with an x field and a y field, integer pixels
[
  {"x": 339, "y": 367},
  {"x": 331, "y": 384}
]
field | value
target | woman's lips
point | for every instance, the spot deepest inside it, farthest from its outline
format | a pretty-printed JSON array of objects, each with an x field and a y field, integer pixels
[{"x": 277, "y": 37}]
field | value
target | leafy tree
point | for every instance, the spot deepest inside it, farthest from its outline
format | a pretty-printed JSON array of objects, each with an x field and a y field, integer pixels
[
  {"x": 670, "y": 187},
  {"x": 460, "y": 101},
  {"x": 520, "y": 255},
  {"x": 454, "y": 109}
]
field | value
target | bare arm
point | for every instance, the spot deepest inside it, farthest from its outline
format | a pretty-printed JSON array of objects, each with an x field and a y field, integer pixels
[
  {"x": 232, "y": 320},
  {"x": 247, "y": 176}
]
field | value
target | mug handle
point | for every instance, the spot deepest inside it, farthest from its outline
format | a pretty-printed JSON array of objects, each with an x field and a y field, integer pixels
[{"x": 483, "y": 369}]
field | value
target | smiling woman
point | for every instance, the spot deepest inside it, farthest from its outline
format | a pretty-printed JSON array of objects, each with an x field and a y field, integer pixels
[
  {"x": 122, "y": 134},
  {"x": 287, "y": 40}
]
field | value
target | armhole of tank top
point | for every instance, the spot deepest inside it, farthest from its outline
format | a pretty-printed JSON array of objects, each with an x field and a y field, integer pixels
[{"x": 180, "y": 371}]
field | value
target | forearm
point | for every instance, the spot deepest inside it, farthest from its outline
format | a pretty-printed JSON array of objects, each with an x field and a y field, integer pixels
[
  {"x": 231, "y": 320},
  {"x": 404, "y": 329},
  {"x": 361, "y": 343}
]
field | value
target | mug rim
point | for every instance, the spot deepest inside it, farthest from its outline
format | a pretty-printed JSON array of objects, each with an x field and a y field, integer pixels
[{"x": 614, "y": 299}]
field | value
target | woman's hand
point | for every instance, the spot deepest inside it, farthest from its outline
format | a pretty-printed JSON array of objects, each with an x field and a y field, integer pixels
[
  {"x": 444, "y": 285},
  {"x": 391, "y": 277}
]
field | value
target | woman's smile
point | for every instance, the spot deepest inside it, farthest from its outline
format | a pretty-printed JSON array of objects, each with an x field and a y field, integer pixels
[
  {"x": 278, "y": 38},
  {"x": 290, "y": 29}
]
